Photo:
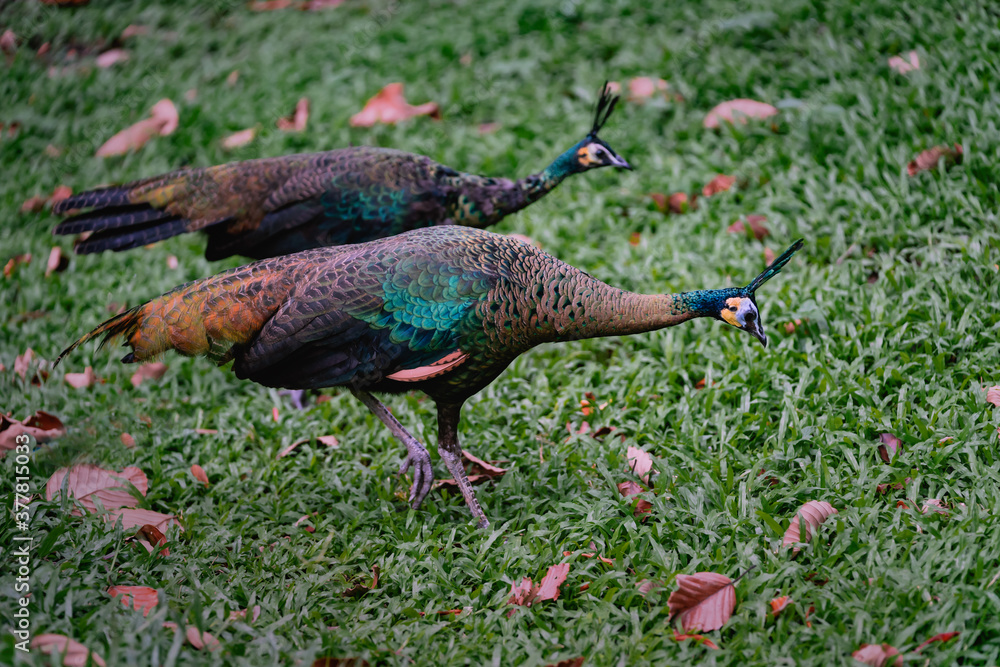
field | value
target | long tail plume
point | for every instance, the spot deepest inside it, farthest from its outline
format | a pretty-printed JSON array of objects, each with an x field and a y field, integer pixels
[
  {"x": 605, "y": 106},
  {"x": 124, "y": 324},
  {"x": 775, "y": 267}
]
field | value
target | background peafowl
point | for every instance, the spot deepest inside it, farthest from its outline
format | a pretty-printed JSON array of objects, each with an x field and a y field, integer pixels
[
  {"x": 442, "y": 309},
  {"x": 277, "y": 206}
]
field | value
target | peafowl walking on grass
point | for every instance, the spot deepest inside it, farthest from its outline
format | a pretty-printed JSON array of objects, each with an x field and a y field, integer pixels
[
  {"x": 443, "y": 310},
  {"x": 277, "y": 206}
]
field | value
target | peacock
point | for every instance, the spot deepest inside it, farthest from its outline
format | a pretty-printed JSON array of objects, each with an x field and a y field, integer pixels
[
  {"x": 277, "y": 206},
  {"x": 440, "y": 309}
]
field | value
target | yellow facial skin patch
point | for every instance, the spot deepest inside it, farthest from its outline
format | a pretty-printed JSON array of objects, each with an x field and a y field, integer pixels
[{"x": 730, "y": 315}]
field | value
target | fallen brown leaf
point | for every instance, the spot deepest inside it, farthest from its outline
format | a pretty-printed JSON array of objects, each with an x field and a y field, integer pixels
[
  {"x": 34, "y": 204},
  {"x": 756, "y": 224},
  {"x": 150, "y": 371},
  {"x": 56, "y": 262},
  {"x": 993, "y": 396},
  {"x": 82, "y": 380},
  {"x": 390, "y": 106},
  {"x": 701, "y": 639},
  {"x": 163, "y": 120},
  {"x": 140, "y": 598},
  {"x": 815, "y": 512},
  {"x": 779, "y": 603},
  {"x": 8, "y": 42},
  {"x": 132, "y": 30},
  {"x": 943, "y": 637},
  {"x": 297, "y": 121},
  {"x": 929, "y": 159},
  {"x": 888, "y": 447},
  {"x": 738, "y": 110},
  {"x": 14, "y": 262},
  {"x": 768, "y": 256},
  {"x": 481, "y": 467},
  {"x": 238, "y": 139},
  {"x": 128, "y": 440},
  {"x": 199, "y": 474},
  {"x": 629, "y": 489},
  {"x": 74, "y": 654},
  {"x": 646, "y": 585},
  {"x": 677, "y": 203},
  {"x": 525, "y": 594},
  {"x": 200, "y": 640},
  {"x": 640, "y": 463},
  {"x": 139, "y": 518},
  {"x": 935, "y": 505},
  {"x": 904, "y": 66},
  {"x": 704, "y": 601},
  {"x": 568, "y": 662},
  {"x": 720, "y": 183},
  {"x": 634, "y": 238},
  {"x": 87, "y": 483},
  {"x": 41, "y": 426},
  {"x": 877, "y": 656},
  {"x": 642, "y": 88},
  {"x": 241, "y": 614},
  {"x": 110, "y": 57},
  {"x": 360, "y": 589},
  {"x": 150, "y": 537}
]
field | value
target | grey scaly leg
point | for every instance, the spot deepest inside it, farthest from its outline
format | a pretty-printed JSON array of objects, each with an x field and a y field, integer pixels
[
  {"x": 297, "y": 397},
  {"x": 417, "y": 455},
  {"x": 451, "y": 452}
]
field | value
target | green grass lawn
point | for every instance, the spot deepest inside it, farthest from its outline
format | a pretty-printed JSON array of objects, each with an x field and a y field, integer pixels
[{"x": 897, "y": 285}]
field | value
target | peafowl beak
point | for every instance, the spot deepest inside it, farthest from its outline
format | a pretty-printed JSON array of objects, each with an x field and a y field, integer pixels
[
  {"x": 742, "y": 313},
  {"x": 619, "y": 161},
  {"x": 757, "y": 331}
]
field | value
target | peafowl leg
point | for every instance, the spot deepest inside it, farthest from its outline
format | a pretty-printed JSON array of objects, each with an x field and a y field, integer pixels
[
  {"x": 297, "y": 397},
  {"x": 451, "y": 452},
  {"x": 417, "y": 455}
]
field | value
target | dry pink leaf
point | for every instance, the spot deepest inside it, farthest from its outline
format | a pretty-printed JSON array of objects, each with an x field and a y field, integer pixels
[
  {"x": 238, "y": 139},
  {"x": 489, "y": 128},
  {"x": 738, "y": 110},
  {"x": 8, "y": 42},
  {"x": 756, "y": 224},
  {"x": 140, "y": 598},
  {"x": 629, "y": 489},
  {"x": 172, "y": 262},
  {"x": 328, "y": 440},
  {"x": 137, "y": 518},
  {"x": 149, "y": 535},
  {"x": 297, "y": 121},
  {"x": 888, "y": 447},
  {"x": 641, "y": 88},
  {"x": 61, "y": 192},
  {"x": 14, "y": 262},
  {"x": 199, "y": 474},
  {"x": 87, "y": 483},
  {"x": 904, "y": 66},
  {"x": 390, "y": 106},
  {"x": 150, "y": 371},
  {"x": 526, "y": 594},
  {"x": 481, "y": 467},
  {"x": 943, "y": 637},
  {"x": 57, "y": 261},
  {"x": 163, "y": 120},
  {"x": 877, "y": 656},
  {"x": 640, "y": 463},
  {"x": 677, "y": 203},
  {"x": 701, "y": 639},
  {"x": 993, "y": 396},
  {"x": 128, "y": 440},
  {"x": 646, "y": 585},
  {"x": 768, "y": 256},
  {"x": 82, "y": 380},
  {"x": 935, "y": 505},
  {"x": 34, "y": 204},
  {"x": 41, "y": 426},
  {"x": 704, "y": 601},
  {"x": 74, "y": 654},
  {"x": 720, "y": 183},
  {"x": 110, "y": 57},
  {"x": 929, "y": 159},
  {"x": 241, "y": 614},
  {"x": 200, "y": 640},
  {"x": 779, "y": 603},
  {"x": 814, "y": 512},
  {"x": 134, "y": 31},
  {"x": 232, "y": 78}
]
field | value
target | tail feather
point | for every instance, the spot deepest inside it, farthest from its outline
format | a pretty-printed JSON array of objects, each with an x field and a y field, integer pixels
[
  {"x": 207, "y": 317},
  {"x": 110, "y": 218},
  {"x": 132, "y": 237},
  {"x": 125, "y": 324},
  {"x": 116, "y": 195}
]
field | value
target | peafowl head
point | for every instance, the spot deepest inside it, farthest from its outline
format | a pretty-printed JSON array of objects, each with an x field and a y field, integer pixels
[
  {"x": 738, "y": 305},
  {"x": 593, "y": 152}
]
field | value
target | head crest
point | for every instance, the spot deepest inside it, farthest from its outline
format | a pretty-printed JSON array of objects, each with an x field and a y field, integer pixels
[
  {"x": 605, "y": 105},
  {"x": 775, "y": 267}
]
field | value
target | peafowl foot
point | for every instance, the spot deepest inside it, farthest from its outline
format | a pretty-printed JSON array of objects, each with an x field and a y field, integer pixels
[
  {"x": 297, "y": 397},
  {"x": 417, "y": 456},
  {"x": 451, "y": 453},
  {"x": 419, "y": 459}
]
